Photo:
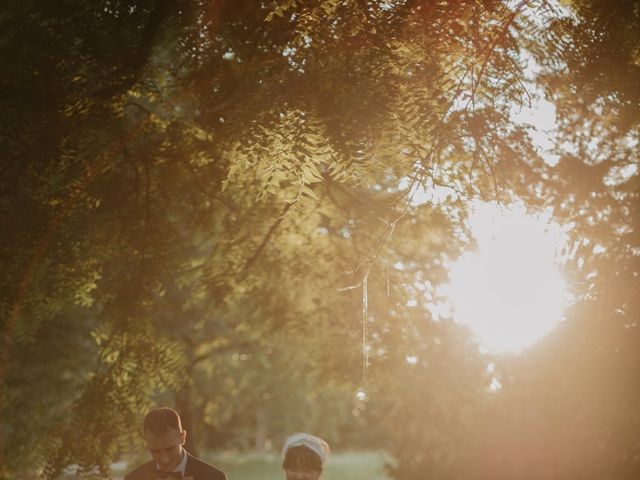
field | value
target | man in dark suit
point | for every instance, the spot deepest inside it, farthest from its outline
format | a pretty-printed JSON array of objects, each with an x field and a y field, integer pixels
[{"x": 165, "y": 440}]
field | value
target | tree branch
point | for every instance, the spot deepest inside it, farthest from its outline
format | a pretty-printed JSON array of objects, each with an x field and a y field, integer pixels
[{"x": 265, "y": 240}]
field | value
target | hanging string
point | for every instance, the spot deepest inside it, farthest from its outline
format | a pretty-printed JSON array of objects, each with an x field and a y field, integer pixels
[
  {"x": 365, "y": 320},
  {"x": 388, "y": 287}
]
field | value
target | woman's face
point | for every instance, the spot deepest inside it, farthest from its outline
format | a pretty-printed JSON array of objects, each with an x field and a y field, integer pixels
[{"x": 299, "y": 474}]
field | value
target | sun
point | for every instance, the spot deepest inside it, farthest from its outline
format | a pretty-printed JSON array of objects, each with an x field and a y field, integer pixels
[{"x": 510, "y": 291}]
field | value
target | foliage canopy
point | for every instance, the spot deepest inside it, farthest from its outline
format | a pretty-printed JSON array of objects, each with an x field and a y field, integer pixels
[{"x": 201, "y": 200}]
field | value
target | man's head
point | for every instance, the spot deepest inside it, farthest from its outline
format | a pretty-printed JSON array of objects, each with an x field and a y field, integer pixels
[{"x": 165, "y": 437}]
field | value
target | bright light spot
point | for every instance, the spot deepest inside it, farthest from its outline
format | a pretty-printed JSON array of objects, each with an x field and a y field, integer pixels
[
  {"x": 542, "y": 116},
  {"x": 439, "y": 310},
  {"x": 536, "y": 111},
  {"x": 411, "y": 359},
  {"x": 345, "y": 232},
  {"x": 510, "y": 292},
  {"x": 427, "y": 192},
  {"x": 361, "y": 395},
  {"x": 495, "y": 385},
  {"x": 618, "y": 175},
  {"x": 289, "y": 51}
]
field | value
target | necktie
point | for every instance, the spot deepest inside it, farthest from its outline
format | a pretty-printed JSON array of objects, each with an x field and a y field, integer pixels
[{"x": 168, "y": 475}]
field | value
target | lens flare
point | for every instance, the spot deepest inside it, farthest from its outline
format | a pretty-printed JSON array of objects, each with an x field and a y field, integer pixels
[{"x": 509, "y": 292}]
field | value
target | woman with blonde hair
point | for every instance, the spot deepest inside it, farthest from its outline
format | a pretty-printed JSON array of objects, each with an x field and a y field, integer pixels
[{"x": 304, "y": 457}]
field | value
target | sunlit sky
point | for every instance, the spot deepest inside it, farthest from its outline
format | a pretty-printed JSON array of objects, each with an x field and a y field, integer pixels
[{"x": 509, "y": 290}]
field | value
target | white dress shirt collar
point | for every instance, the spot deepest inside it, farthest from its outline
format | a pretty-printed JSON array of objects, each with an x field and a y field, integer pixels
[{"x": 182, "y": 465}]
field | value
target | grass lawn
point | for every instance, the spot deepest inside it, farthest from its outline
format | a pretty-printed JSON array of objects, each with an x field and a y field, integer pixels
[{"x": 341, "y": 466}]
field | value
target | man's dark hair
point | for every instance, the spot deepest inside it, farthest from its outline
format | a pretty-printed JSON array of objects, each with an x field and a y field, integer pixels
[
  {"x": 302, "y": 458},
  {"x": 159, "y": 420}
]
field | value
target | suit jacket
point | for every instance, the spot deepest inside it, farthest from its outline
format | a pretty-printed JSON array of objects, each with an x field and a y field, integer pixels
[{"x": 195, "y": 468}]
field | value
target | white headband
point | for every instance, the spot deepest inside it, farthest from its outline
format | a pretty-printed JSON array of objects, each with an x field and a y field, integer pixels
[{"x": 317, "y": 445}]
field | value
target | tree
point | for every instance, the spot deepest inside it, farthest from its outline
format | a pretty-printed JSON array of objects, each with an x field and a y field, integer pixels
[
  {"x": 193, "y": 179},
  {"x": 580, "y": 387}
]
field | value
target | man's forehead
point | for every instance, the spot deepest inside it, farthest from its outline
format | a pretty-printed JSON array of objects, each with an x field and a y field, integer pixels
[{"x": 168, "y": 437}]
